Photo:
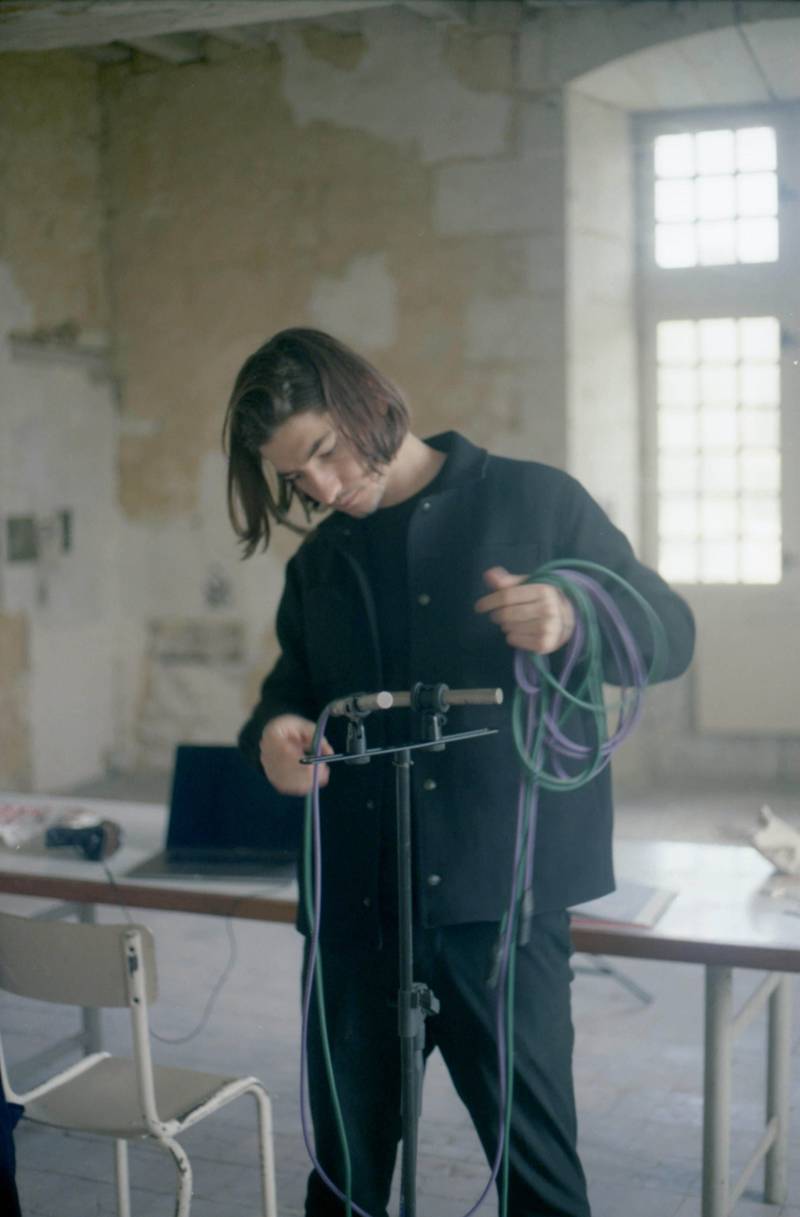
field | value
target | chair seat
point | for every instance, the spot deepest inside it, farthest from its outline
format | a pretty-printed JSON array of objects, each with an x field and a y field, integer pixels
[{"x": 104, "y": 1099}]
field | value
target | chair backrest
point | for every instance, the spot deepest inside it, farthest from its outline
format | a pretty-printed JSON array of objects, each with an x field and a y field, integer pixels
[{"x": 71, "y": 962}]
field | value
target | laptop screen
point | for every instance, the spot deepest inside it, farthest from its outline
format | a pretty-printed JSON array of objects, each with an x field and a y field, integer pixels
[{"x": 219, "y": 801}]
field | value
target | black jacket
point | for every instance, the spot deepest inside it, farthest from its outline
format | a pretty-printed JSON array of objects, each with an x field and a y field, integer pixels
[{"x": 493, "y": 511}]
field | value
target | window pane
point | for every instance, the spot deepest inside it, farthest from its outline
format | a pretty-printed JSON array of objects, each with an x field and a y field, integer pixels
[
  {"x": 677, "y": 429},
  {"x": 677, "y": 341},
  {"x": 759, "y": 384},
  {"x": 677, "y": 561},
  {"x": 718, "y": 384},
  {"x": 715, "y": 152},
  {"x": 719, "y": 518},
  {"x": 674, "y": 155},
  {"x": 675, "y": 199},
  {"x": 716, "y": 242},
  {"x": 761, "y": 518},
  {"x": 719, "y": 465},
  {"x": 761, "y": 563},
  {"x": 716, "y": 198},
  {"x": 720, "y": 472},
  {"x": 678, "y": 517},
  {"x": 677, "y": 473},
  {"x": 761, "y": 471},
  {"x": 676, "y": 245},
  {"x": 718, "y": 428},
  {"x": 757, "y": 194},
  {"x": 760, "y": 337},
  {"x": 757, "y": 240},
  {"x": 760, "y": 428},
  {"x": 719, "y": 340},
  {"x": 677, "y": 386},
  {"x": 719, "y": 562},
  {"x": 755, "y": 149}
]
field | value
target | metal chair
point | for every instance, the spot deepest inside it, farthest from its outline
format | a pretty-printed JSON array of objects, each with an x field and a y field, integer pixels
[{"x": 128, "y": 1099}]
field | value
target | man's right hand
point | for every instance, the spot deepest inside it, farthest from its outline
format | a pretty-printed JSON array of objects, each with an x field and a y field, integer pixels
[{"x": 284, "y": 741}]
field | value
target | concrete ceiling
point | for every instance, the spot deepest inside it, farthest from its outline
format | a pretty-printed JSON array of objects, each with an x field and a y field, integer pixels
[
  {"x": 736, "y": 65},
  {"x": 172, "y": 29},
  {"x": 743, "y": 63}
]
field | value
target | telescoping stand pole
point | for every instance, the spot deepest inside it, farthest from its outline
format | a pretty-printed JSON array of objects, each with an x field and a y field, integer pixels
[{"x": 415, "y": 1001}]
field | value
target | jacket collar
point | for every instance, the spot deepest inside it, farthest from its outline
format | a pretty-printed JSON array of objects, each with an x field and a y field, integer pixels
[{"x": 466, "y": 463}]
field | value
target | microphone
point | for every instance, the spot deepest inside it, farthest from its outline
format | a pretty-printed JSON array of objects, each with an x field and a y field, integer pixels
[
  {"x": 438, "y": 698},
  {"x": 355, "y": 705}
]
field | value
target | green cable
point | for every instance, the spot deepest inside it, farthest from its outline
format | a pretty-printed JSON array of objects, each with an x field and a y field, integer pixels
[
  {"x": 587, "y": 696},
  {"x": 319, "y": 987}
]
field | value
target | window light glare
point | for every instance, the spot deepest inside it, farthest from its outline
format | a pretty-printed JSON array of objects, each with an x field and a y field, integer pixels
[
  {"x": 757, "y": 194},
  {"x": 674, "y": 155},
  {"x": 677, "y": 429},
  {"x": 756, "y": 149},
  {"x": 719, "y": 562},
  {"x": 719, "y": 458},
  {"x": 677, "y": 387},
  {"x": 759, "y": 384},
  {"x": 760, "y": 428},
  {"x": 716, "y": 241},
  {"x": 760, "y": 338},
  {"x": 761, "y": 518},
  {"x": 677, "y": 561},
  {"x": 679, "y": 472},
  {"x": 716, "y": 198},
  {"x": 675, "y": 199},
  {"x": 761, "y": 563},
  {"x": 720, "y": 473},
  {"x": 716, "y": 152},
  {"x": 718, "y": 385},
  {"x": 757, "y": 240},
  {"x": 676, "y": 245},
  {"x": 677, "y": 342},
  {"x": 719, "y": 340}
]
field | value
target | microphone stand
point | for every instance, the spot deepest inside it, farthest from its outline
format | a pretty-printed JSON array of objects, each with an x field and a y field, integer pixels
[{"x": 415, "y": 1001}]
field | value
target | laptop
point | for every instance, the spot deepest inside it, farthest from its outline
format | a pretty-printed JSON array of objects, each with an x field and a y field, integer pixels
[{"x": 225, "y": 820}]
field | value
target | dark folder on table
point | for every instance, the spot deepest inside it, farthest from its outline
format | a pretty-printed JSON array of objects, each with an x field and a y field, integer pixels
[{"x": 225, "y": 819}]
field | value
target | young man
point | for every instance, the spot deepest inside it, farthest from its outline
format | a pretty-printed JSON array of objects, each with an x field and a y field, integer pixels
[{"x": 419, "y": 573}]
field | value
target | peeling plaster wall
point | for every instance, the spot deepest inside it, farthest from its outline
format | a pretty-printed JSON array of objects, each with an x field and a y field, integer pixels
[
  {"x": 57, "y": 427},
  {"x": 348, "y": 177},
  {"x": 404, "y": 183}
]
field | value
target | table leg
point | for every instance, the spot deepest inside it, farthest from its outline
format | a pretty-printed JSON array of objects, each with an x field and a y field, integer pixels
[
  {"x": 778, "y": 1073},
  {"x": 90, "y": 1017},
  {"x": 717, "y": 1090}
]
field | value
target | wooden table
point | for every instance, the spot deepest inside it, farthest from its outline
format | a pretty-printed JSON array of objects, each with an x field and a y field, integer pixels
[{"x": 721, "y": 918}]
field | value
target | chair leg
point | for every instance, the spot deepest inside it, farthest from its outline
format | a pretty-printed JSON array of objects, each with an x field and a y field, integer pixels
[
  {"x": 267, "y": 1152},
  {"x": 123, "y": 1181},
  {"x": 184, "y": 1168}
]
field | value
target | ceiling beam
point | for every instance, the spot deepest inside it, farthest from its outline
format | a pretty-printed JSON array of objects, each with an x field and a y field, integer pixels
[{"x": 41, "y": 25}]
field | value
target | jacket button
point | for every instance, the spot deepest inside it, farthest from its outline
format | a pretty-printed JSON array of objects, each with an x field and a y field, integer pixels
[
  {"x": 429, "y": 784},
  {"x": 426, "y": 504},
  {"x": 370, "y": 804},
  {"x": 423, "y": 599},
  {"x": 367, "y": 902},
  {"x": 434, "y": 880}
]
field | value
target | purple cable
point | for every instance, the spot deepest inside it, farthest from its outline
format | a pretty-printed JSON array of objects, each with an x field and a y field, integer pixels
[{"x": 316, "y": 879}]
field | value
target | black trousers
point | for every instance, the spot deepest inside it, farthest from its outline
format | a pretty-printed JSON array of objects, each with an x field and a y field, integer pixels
[{"x": 545, "y": 1178}]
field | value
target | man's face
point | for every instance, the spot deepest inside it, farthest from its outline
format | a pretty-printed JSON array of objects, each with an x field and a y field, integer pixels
[{"x": 308, "y": 452}]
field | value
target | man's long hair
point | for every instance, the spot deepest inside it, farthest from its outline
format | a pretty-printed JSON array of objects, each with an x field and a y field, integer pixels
[{"x": 296, "y": 371}]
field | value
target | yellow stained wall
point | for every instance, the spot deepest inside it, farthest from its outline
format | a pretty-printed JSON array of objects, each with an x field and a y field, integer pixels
[
  {"x": 52, "y": 262},
  {"x": 226, "y": 213}
]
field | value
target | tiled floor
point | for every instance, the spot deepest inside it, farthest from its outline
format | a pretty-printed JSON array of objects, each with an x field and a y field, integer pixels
[{"x": 638, "y": 1069}]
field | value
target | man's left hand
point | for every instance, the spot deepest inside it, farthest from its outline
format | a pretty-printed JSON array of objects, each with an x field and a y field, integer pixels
[{"x": 533, "y": 616}]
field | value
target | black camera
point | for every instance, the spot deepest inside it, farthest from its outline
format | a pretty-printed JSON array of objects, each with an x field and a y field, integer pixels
[{"x": 94, "y": 840}]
